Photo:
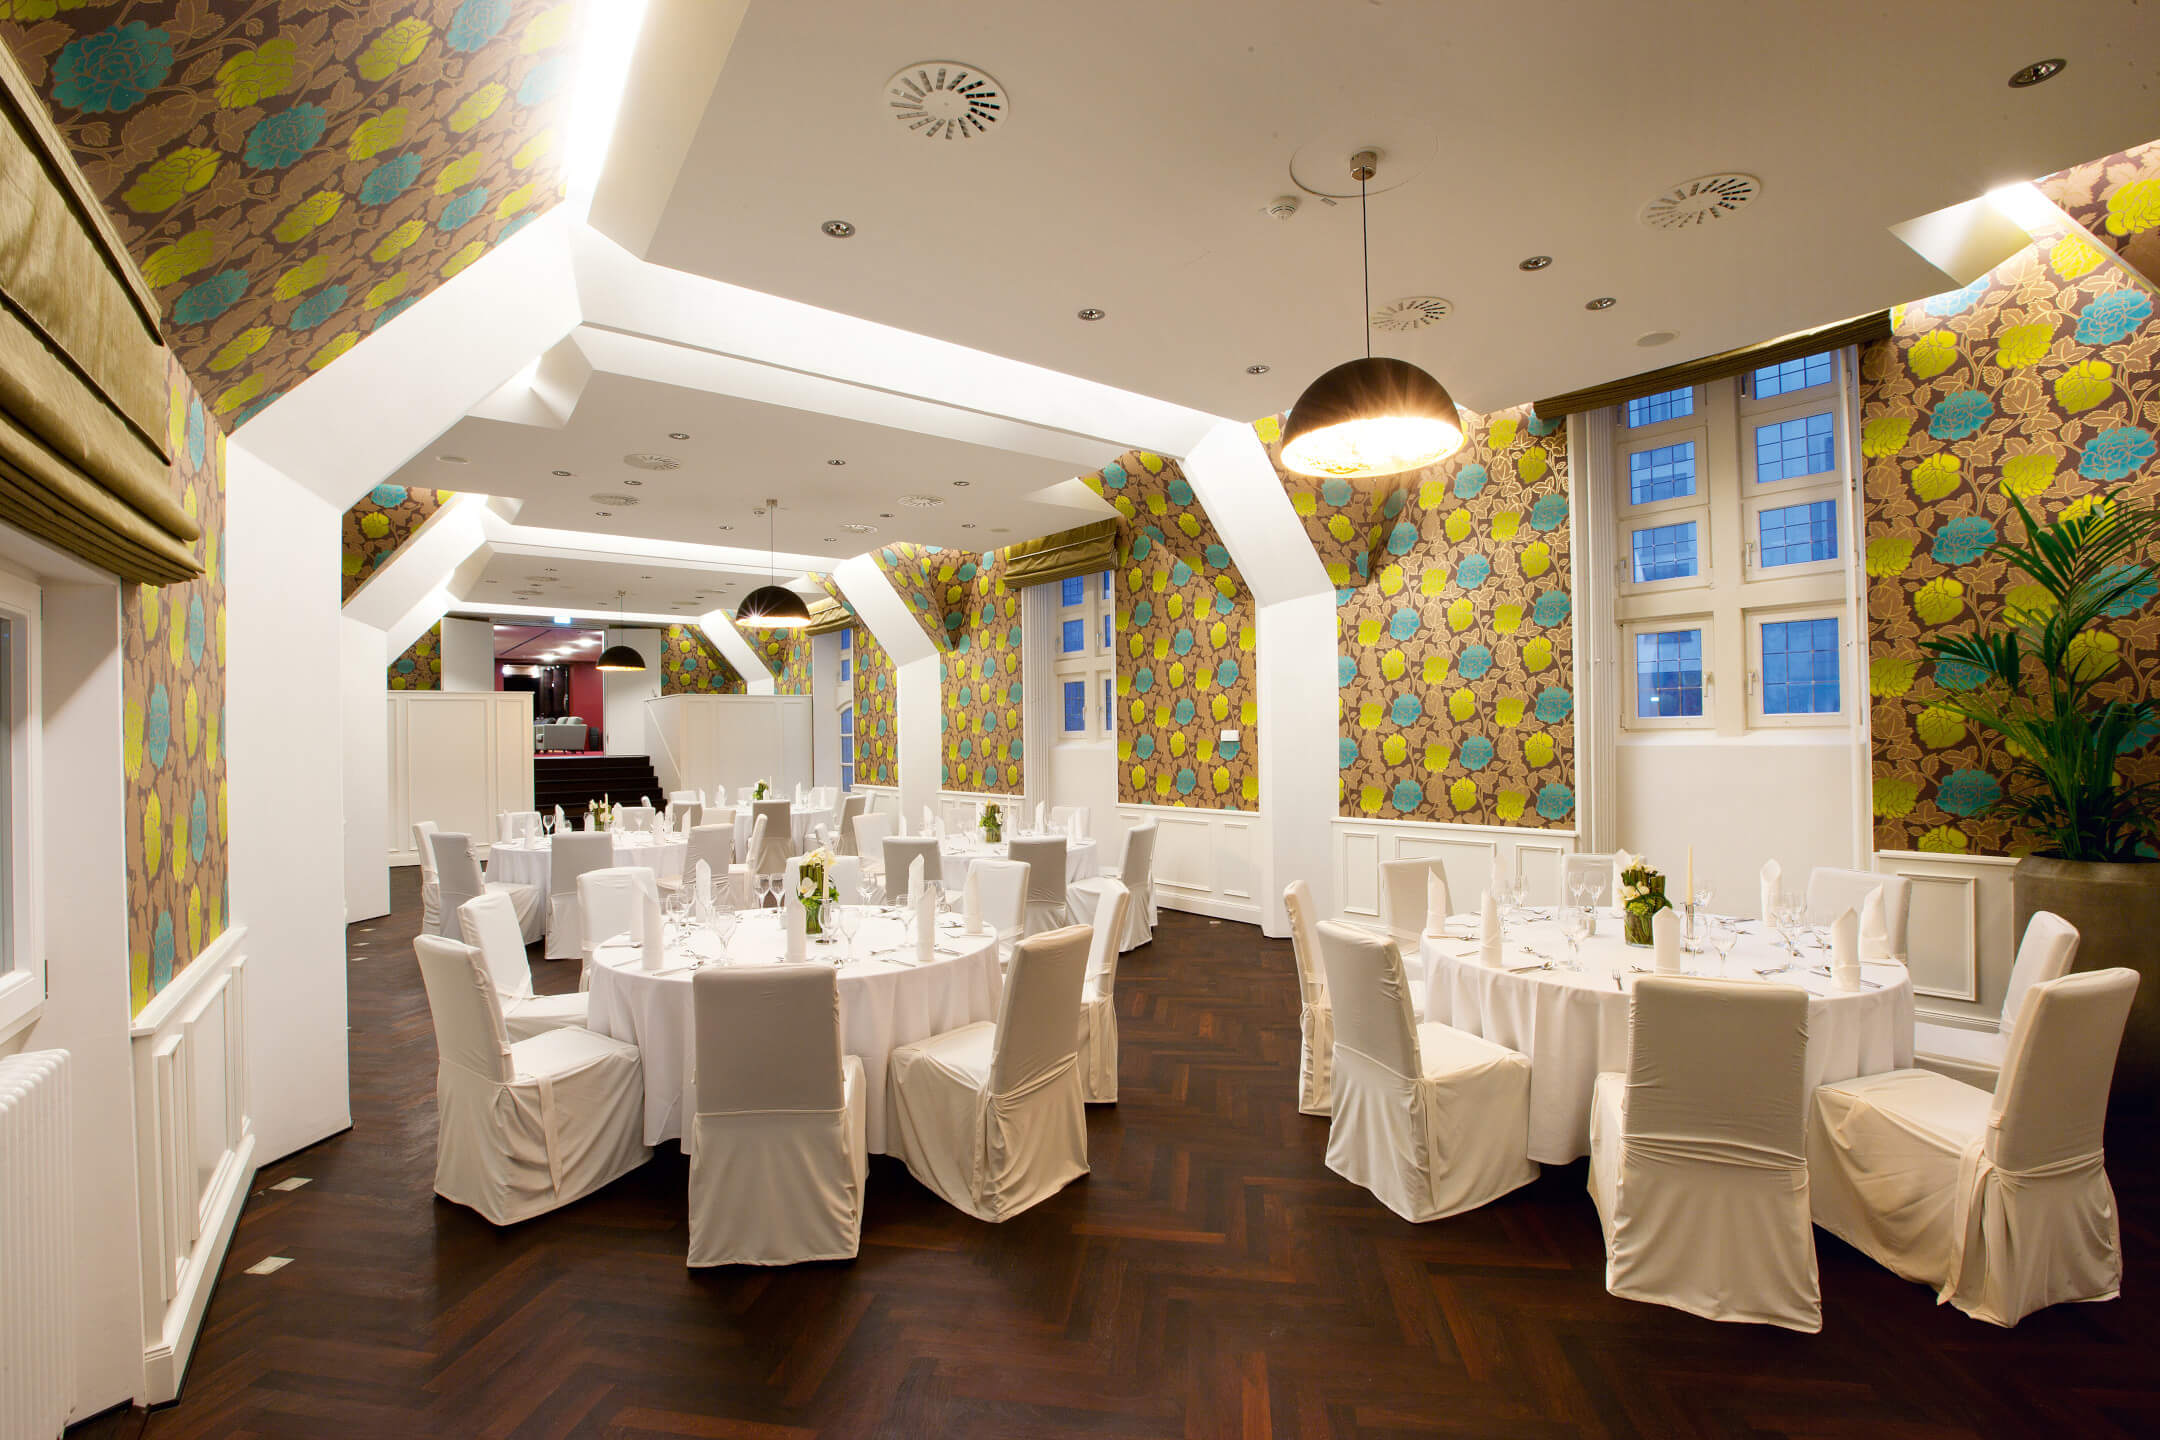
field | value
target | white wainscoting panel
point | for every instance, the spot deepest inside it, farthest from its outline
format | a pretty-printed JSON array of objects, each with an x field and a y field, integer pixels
[
  {"x": 1959, "y": 931},
  {"x": 1468, "y": 853},
  {"x": 1207, "y": 862},
  {"x": 195, "y": 1148},
  {"x": 459, "y": 760}
]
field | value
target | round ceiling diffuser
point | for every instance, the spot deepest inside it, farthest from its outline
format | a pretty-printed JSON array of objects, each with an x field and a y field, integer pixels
[
  {"x": 945, "y": 100},
  {"x": 1698, "y": 201},
  {"x": 1412, "y": 312}
]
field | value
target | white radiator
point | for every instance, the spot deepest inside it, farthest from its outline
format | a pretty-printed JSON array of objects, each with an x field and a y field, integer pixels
[{"x": 37, "y": 1247}]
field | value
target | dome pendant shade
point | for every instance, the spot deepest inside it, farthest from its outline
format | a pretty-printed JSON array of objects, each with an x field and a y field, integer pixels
[
  {"x": 620, "y": 657},
  {"x": 1369, "y": 418},
  {"x": 772, "y": 607}
]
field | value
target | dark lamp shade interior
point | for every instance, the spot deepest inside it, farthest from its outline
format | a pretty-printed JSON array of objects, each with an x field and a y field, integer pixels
[
  {"x": 772, "y": 607},
  {"x": 1371, "y": 417},
  {"x": 620, "y": 657}
]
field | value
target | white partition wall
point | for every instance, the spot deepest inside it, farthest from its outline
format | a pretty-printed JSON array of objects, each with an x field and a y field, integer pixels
[
  {"x": 458, "y": 760},
  {"x": 732, "y": 740}
]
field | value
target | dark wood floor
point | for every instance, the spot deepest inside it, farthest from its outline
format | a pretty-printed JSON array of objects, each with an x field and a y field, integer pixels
[{"x": 1210, "y": 1278}]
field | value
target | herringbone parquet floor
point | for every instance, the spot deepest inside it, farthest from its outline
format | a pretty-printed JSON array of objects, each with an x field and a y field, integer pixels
[{"x": 1210, "y": 1278}]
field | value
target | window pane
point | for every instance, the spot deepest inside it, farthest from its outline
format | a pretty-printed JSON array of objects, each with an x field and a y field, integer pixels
[
  {"x": 1668, "y": 673},
  {"x": 1792, "y": 375},
  {"x": 1666, "y": 473},
  {"x": 1807, "y": 446},
  {"x": 1671, "y": 405},
  {"x": 1075, "y": 706},
  {"x": 1666, "y": 552},
  {"x": 1796, "y": 534},
  {"x": 1071, "y": 590},
  {"x": 1073, "y": 637},
  {"x": 1800, "y": 667}
]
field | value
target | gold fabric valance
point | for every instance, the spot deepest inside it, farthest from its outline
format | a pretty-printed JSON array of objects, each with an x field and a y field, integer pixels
[
  {"x": 828, "y": 615},
  {"x": 1859, "y": 330},
  {"x": 83, "y": 387},
  {"x": 1084, "y": 551}
]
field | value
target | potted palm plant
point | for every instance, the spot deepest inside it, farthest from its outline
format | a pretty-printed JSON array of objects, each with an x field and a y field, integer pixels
[{"x": 2045, "y": 679}]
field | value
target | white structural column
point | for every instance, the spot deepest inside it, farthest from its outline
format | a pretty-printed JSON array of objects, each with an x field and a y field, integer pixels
[
  {"x": 1295, "y": 651},
  {"x": 720, "y": 629},
  {"x": 916, "y": 664}
]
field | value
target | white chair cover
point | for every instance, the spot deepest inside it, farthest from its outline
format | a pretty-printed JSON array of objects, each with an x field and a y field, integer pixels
[
  {"x": 901, "y": 851},
  {"x": 1832, "y": 892},
  {"x": 430, "y": 885},
  {"x": 570, "y": 857},
  {"x": 1059, "y": 814},
  {"x": 522, "y": 1128},
  {"x": 1696, "y": 1153},
  {"x": 990, "y": 1116},
  {"x": 1316, "y": 1021},
  {"x": 489, "y": 924},
  {"x": 457, "y": 872},
  {"x": 777, "y": 842},
  {"x": 1046, "y": 909},
  {"x": 778, "y": 1154},
  {"x": 1432, "y": 1120},
  {"x": 2001, "y": 1202},
  {"x": 1002, "y": 887},
  {"x": 1403, "y": 900},
  {"x": 1098, "y": 1004},
  {"x": 1137, "y": 872},
  {"x": 609, "y": 901},
  {"x": 850, "y": 809}
]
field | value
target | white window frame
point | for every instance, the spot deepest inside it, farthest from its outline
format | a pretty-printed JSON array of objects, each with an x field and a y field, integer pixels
[
  {"x": 1757, "y": 716},
  {"x": 1630, "y": 712},
  {"x": 1093, "y": 664},
  {"x": 22, "y": 984}
]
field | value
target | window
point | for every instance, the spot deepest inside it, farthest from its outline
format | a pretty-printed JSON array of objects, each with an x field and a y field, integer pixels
[
  {"x": 22, "y": 961},
  {"x": 1086, "y": 659},
  {"x": 1797, "y": 675},
  {"x": 1789, "y": 449},
  {"x": 1654, "y": 409},
  {"x": 1791, "y": 375},
  {"x": 1665, "y": 552},
  {"x": 1796, "y": 534},
  {"x": 1666, "y": 473},
  {"x": 847, "y": 744},
  {"x": 1668, "y": 674}
]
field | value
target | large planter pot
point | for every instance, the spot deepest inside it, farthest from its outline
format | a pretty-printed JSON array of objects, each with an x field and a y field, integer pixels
[{"x": 2116, "y": 909}]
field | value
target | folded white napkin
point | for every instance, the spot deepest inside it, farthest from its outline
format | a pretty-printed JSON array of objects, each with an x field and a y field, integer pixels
[
  {"x": 925, "y": 930},
  {"x": 1489, "y": 930},
  {"x": 1772, "y": 872},
  {"x": 798, "y": 931},
  {"x": 1845, "y": 951},
  {"x": 1874, "y": 928},
  {"x": 914, "y": 882},
  {"x": 971, "y": 902},
  {"x": 1665, "y": 941},
  {"x": 651, "y": 933},
  {"x": 1436, "y": 903},
  {"x": 704, "y": 884}
]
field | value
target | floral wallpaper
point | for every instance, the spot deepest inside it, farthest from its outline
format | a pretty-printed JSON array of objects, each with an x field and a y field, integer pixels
[
  {"x": 289, "y": 177},
  {"x": 979, "y": 693},
  {"x": 877, "y": 728},
  {"x": 2043, "y": 378},
  {"x": 1184, "y": 629},
  {"x": 420, "y": 667},
  {"x": 787, "y": 654},
  {"x": 173, "y": 717},
  {"x": 376, "y": 526},
  {"x": 690, "y": 664},
  {"x": 2117, "y": 199}
]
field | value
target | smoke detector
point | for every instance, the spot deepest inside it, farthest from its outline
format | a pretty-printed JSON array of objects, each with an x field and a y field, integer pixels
[
  {"x": 921, "y": 502},
  {"x": 1412, "y": 312},
  {"x": 1282, "y": 207},
  {"x": 1698, "y": 201},
  {"x": 945, "y": 100},
  {"x": 645, "y": 460},
  {"x": 615, "y": 502}
]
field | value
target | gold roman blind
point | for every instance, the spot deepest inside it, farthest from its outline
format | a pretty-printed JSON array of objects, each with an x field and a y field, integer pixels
[
  {"x": 1859, "y": 330},
  {"x": 827, "y": 616},
  {"x": 1069, "y": 552},
  {"x": 83, "y": 389}
]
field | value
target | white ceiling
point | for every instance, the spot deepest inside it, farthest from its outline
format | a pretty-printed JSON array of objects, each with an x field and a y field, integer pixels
[
  {"x": 1144, "y": 138},
  {"x": 585, "y": 589}
]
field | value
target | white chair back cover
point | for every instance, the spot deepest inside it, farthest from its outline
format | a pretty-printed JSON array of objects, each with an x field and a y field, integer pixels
[
  {"x": 901, "y": 852},
  {"x": 1316, "y": 1021},
  {"x": 467, "y": 1012},
  {"x": 1403, "y": 898},
  {"x": 1038, "y": 1027},
  {"x": 489, "y": 924},
  {"x": 1591, "y": 865},
  {"x": 1045, "y": 859},
  {"x": 570, "y": 858},
  {"x": 1832, "y": 892},
  {"x": 1369, "y": 996},
  {"x": 1001, "y": 886},
  {"x": 872, "y": 830},
  {"x": 1059, "y": 814},
  {"x": 777, "y": 841},
  {"x": 421, "y": 830},
  {"x": 609, "y": 900},
  {"x": 844, "y": 825},
  {"x": 2046, "y": 953},
  {"x": 457, "y": 872}
]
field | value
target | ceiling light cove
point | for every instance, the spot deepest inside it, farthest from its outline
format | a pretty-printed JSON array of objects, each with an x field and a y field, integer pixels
[{"x": 945, "y": 100}]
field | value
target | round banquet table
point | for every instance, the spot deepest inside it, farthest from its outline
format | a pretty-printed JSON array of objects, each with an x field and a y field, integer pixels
[
  {"x": 526, "y": 862},
  {"x": 804, "y": 816},
  {"x": 959, "y": 853},
  {"x": 886, "y": 1000},
  {"x": 1574, "y": 1025}
]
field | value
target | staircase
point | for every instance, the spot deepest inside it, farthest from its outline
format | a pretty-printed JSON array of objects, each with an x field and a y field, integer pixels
[{"x": 575, "y": 781}]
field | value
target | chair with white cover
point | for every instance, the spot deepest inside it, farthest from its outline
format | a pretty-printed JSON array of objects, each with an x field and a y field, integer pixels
[
  {"x": 1059, "y": 814},
  {"x": 777, "y": 840},
  {"x": 2000, "y": 1202},
  {"x": 570, "y": 857},
  {"x": 1403, "y": 896},
  {"x": 608, "y": 900},
  {"x": 1137, "y": 873},
  {"x": 990, "y": 1116},
  {"x": 778, "y": 1149},
  {"x": 524, "y": 1127},
  {"x": 1697, "y": 1153},
  {"x": 457, "y": 870},
  {"x": 1046, "y": 907},
  {"x": 901, "y": 851},
  {"x": 1592, "y": 866},
  {"x": 1001, "y": 887},
  {"x": 1316, "y": 1021},
  {"x": 1432, "y": 1120},
  {"x": 844, "y": 827},
  {"x": 1098, "y": 1002},
  {"x": 489, "y": 924},
  {"x": 430, "y": 882},
  {"x": 1832, "y": 892}
]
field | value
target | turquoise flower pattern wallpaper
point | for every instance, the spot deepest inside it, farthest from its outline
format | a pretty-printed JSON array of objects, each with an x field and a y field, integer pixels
[
  {"x": 877, "y": 730},
  {"x": 2041, "y": 378},
  {"x": 420, "y": 667},
  {"x": 382, "y": 521}
]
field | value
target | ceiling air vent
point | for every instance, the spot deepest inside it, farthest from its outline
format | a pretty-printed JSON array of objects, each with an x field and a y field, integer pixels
[
  {"x": 644, "y": 460},
  {"x": 1412, "y": 312},
  {"x": 615, "y": 502},
  {"x": 945, "y": 100},
  {"x": 1698, "y": 201}
]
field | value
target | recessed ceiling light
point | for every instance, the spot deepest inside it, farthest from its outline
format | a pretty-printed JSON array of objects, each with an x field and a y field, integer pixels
[
  {"x": 1256, "y": 369},
  {"x": 838, "y": 229},
  {"x": 453, "y": 459},
  {"x": 1533, "y": 262},
  {"x": 1655, "y": 337},
  {"x": 677, "y": 435},
  {"x": 2036, "y": 72},
  {"x": 1603, "y": 302},
  {"x": 836, "y": 462},
  {"x": 1091, "y": 313},
  {"x": 561, "y": 472}
]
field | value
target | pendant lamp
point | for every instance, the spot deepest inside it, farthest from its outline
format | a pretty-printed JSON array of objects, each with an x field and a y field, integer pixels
[
  {"x": 620, "y": 657},
  {"x": 772, "y": 606},
  {"x": 1371, "y": 417}
]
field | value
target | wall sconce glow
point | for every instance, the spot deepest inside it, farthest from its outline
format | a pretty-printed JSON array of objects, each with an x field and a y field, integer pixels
[
  {"x": 607, "y": 42},
  {"x": 2024, "y": 206}
]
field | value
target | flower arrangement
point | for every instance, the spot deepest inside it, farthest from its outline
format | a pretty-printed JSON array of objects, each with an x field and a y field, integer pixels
[
  {"x": 759, "y": 792},
  {"x": 601, "y": 812},
  {"x": 817, "y": 888},
  {"x": 993, "y": 823},
  {"x": 1642, "y": 895}
]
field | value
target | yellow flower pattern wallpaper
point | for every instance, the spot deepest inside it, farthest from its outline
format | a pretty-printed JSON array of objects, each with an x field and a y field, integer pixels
[
  {"x": 290, "y": 177},
  {"x": 2117, "y": 200},
  {"x": 380, "y": 523},
  {"x": 2040, "y": 378},
  {"x": 173, "y": 725},
  {"x": 1186, "y": 663},
  {"x": 877, "y": 731},
  {"x": 420, "y": 667},
  {"x": 690, "y": 664},
  {"x": 1455, "y": 628}
]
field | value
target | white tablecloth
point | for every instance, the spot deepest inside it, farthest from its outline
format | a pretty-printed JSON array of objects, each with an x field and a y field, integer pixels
[
  {"x": 957, "y": 855},
  {"x": 526, "y": 862},
  {"x": 1574, "y": 1025},
  {"x": 804, "y": 820},
  {"x": 883, "y": 1003}
]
